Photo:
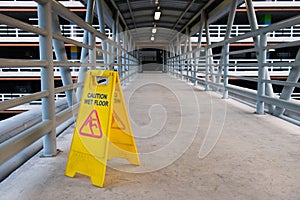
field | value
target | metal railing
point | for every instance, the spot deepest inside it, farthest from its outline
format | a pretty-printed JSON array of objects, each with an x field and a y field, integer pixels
[
  {"x": 66, "y": 30},
  {"x": 220, "y": 30},
  {"x": 7, "y": 96},
  {"x": 214, "y": 71},
  {"x": 217, "y": 32},
  {"x": 52, "y": 40}
]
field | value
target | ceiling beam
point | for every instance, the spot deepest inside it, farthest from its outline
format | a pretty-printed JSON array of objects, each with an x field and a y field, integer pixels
[
  {"x": 196, "y": 15},
  {"x": 120, "y": 14},
  {"x": 185, "y": 11},
  {"x": 131, "y": 13}
]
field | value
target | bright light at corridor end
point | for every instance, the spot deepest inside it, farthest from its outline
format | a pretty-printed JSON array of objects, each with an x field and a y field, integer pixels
[{"x": 152, "y": 38}]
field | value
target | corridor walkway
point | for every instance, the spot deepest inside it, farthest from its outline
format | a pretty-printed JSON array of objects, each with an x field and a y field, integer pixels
[{"x": 192, "y": 145}]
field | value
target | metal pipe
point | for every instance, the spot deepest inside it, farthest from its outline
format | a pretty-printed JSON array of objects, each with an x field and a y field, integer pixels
[
  {"x": 16, "y": 63},
  {"x": 254, "y": 26},
  {"x": 4, "y": 19},
  {"x": 61, "y": 55},
  {"x": 273, "y": 27},
  {"x": 84, "y": 51},
  {"x": 12, "y": 146},
  {"x": 9, "y": 128},
  {"x": 287, "y": 90},
  {"x": 225, "y": 57},
  {"x": 67, "y": 114},
  {"x": 67, "y": 87},
  {"x": 225, "y": 78},
  {"x": 70, "y": 41},
  {"x": 261, "y": 75},
  {"x": 19, "y": 159},
  {"x": 92, "y": 52},
  {"x": 47, "y": 78},
  {"x": 22, "y": 100},
  {"x": 291, "y": 105},
  {"x": 199, "y": 45},
  {"x": 210, "y": 60},
  {"x": 131, "y": 13},
  {"x": 99, "y": 9}
]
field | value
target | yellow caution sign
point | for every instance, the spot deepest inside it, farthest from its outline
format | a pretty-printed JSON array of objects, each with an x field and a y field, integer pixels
[{"x": 102, "y": 129}]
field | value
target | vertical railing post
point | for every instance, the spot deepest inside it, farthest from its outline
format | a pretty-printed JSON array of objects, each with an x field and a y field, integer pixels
[
  {"x": 175, "y": 66},
  {"x": 225, "y": 75},
  {"x": 190, "y": 55},
  {"x": 123, "y": 54},
  {"x": 199, "y": 46},
  {"x": 185, "y": 52},
  {"x": 206, "y": 68},
  {"x": 47, "y": 78},
  {"x": 261, "y": 74}
]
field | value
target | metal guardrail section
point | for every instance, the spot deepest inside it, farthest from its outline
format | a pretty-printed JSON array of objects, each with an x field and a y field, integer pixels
[
  {"x": 213, "y": 71},
  {"x": 217, "y": 32},
  {"x": 72, "y": 31},
  {"x": 114, "y": 55},
  {"x": 289, "y": 33}
]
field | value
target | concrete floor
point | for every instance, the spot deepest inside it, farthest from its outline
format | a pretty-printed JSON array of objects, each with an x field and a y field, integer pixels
[{"x": 192, "y": 145}]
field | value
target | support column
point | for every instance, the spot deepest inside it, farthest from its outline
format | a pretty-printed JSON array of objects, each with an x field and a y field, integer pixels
[
  {"x": 84, "y": 51},
  {"x": 92, "y": 52},
  {"x": 287, "y": 91},
  {"x": 99, "y": 8},
  {"x": 179, "y": 53},
  {"x": 118, "y": 50},
  {"x": 125, "y": 44},
  {"x": 210, "y": 61},
  {"x": 225, "y": 50},
  {"x": 61, "y": 55},
  {"x": 261, "y": 75},
  {"x": 47, "y": 78},
  {"x": 254, "y": 26},
  {"x": 190, "y": 55},
  {"x": 199, "y": 46}
]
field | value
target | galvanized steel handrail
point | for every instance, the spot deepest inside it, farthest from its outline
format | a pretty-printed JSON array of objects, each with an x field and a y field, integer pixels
[{"x": 213, "y": 71}]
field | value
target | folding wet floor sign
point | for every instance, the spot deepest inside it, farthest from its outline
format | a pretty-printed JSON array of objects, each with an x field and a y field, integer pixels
[{"x": 102, "y": 129}]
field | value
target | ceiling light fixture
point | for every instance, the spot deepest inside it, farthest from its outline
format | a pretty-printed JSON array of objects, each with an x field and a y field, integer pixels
[
  {"x": 152, "y": 38},
  {"x": 154, "y": 29},
  {"x": 157, "y": 13}
]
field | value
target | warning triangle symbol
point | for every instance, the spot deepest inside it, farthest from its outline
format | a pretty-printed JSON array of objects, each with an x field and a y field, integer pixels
[{"x": 91, "y": 126}]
